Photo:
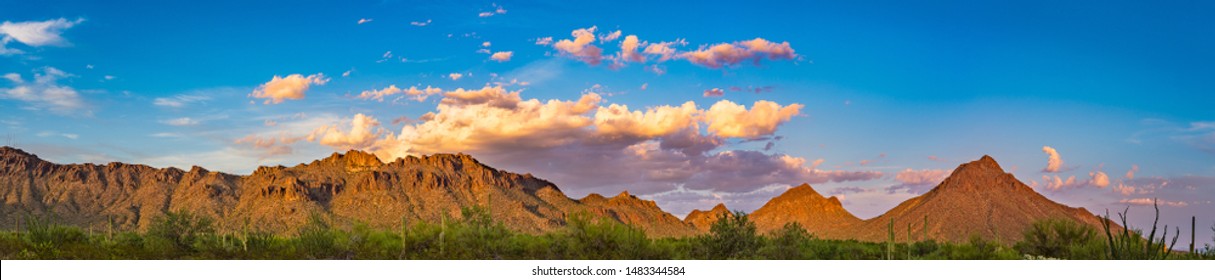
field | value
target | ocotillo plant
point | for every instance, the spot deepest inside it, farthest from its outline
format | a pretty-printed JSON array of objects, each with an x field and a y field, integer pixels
[{"x": 1129, "y": 245}]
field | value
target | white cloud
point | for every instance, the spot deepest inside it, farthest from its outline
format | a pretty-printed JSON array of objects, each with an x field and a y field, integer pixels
[
  {"x": 455, "y": 76},
  {"x": 365, "y": 20},
  {"x": 45, "y": 92},
  {"x": 420, "y": 23},
  {"x": 179, "y": 101},
  {"x": 183, "y": 121},
  {"x": 35, "y": 33}
]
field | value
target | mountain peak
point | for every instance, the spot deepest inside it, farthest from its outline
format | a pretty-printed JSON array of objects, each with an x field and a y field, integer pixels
[
  {"x": 720, "y": 207},
  {"x": 7, "y": 151}
]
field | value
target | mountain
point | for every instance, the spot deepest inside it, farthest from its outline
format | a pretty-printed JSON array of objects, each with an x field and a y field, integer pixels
[
  {"x": 703, "y": 220},
  {"x": 978, "y": 198},
  {"x": 342, "y": 188},
  {"x": 822, "y": 216}
]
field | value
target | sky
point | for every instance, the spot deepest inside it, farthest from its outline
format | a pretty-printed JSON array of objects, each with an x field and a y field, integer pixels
[{"x": 1095, "y": 104}]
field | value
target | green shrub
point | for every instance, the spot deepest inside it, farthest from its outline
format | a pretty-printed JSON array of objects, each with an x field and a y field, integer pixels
[
  {"x": 730, "y": 237},
  {"x": 1061, "y": 239},
  {"x": 787, "y": 243}
]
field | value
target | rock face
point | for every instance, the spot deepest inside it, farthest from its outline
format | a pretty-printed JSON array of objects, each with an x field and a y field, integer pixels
[
  {"x": 822, "y": 216},
  {"x": 978, "y": 198},
  {"x": 342, "y": 188},
  {"x": 703, "y": 220}
]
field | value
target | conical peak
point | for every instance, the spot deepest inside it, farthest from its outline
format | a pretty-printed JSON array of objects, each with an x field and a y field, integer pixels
[
  {"x": 720, "y": 207},
  {"x": 802, "y": 190}
]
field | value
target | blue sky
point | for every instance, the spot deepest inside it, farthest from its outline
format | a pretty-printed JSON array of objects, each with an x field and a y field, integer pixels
[{"x": 889, "y": 95}]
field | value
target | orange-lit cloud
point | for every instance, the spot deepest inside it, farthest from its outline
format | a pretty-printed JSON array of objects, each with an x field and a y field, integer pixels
[
  {"x": 1054, "y": 162},
  {"x": 728, "y": 119},
  {"x": 291, "y": 87},
  {"x": 501, "y": 56},
  {"x": 581, "y": 48},
  {"x": 714, "y": 92},
  {"x": 647, "y": 151}
]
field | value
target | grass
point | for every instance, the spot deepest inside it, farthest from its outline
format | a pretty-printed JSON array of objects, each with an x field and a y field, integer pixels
[{"x": 475, "y": 235}]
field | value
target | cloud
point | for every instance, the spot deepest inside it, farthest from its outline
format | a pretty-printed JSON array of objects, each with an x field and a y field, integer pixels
[
  {"x": 183, "y": 121},
  {"x": 544, "y": 41},
  {"x": 455, "y": 76},
  {"x": 664, "y": 50},
  {"x": 714, "y": 92},
  {"x": 1130, "y": 174},
  {"x": 1149, "y": 201},
  {"x": 731, "y": 54},
  {"x": 179, "y": 101},
  {"x": 918, "y": 181},
  {"x": 414, "y": 92},
  {"x": 501, "y": 56},
  {"x": 629, "y": 49},
  {"x": 728, "y": 119},
  {"x": 291, "y": 87},
  {"x": 1054, "y": 163},
  {"x": 1099, "y": 179},
  {"x": 420, "y": 23},
  {"x": 1096, "y": 179},
  {"x": 581, "y": 48},
  {"x": 35, "y": 33},
  {"x": 610, "y": 36},
  {"x": 498, "y": 10},
  {"x": 585, "y": 145},
  {"x": 364, "y": 20},
  {"x": 45, "y": 92},
  {"x": 362, "y": 133}
]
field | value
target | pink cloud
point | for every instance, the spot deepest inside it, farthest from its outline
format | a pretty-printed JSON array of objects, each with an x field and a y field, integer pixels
[
  {"x": 1149, "y": 201},
  {"x": 714, "y": 92},
  {"x": 730, "y": 54},
  {"x": 581, "y": 48},
  {"x": 501, "y": 56}
]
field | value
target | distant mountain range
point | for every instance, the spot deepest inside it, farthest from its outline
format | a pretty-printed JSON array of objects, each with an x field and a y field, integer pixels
[{"x": 979, "y": 198}]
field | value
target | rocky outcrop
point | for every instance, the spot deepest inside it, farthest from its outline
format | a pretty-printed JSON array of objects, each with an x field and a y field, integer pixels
[{"x": 703, "y": 220}]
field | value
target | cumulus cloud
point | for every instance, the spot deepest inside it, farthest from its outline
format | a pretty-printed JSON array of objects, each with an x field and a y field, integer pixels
[
  {"x": 730, "y": 54},
  {"x": 581, "y": 48},
  {"x": 585, "y": 145},
  {"x": 45, "y": 93},
  {"x": 1099, "y": 179},
  {"x": 1054, "y": 163},
  {"x": 362, "y": 133},
  {"x": 714, "y": 92},
  {"x": 629, "y": 49},
  {"x": 728, "y": 119},
  {"x": 455, "y": 76},
  {"x": 1130, "y": 174},
  {"x": 501, "y": 56},
  {"x": 34, "y": 33},
  {"x": 918, "y": 181},
  {"x": 291, "y": 87}
]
